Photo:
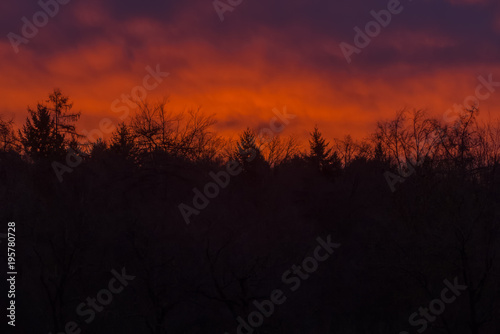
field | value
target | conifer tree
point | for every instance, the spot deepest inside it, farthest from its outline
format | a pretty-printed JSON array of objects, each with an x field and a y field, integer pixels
[
  {"x": 122, "y": 142},
  {"x": 321, "y": 156},
  {"x": 248, "y": 153},
  {"x": 38, "y": 135},
  {"x": 50, "y": 130},
  {"x": 319, "y": 150}
]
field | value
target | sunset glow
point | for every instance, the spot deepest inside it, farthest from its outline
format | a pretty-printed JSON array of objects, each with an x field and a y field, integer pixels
[{"x": 261, "y": 57}]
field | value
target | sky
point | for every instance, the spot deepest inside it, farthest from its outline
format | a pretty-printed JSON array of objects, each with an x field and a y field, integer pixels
[{"x": 240, "y": 60}]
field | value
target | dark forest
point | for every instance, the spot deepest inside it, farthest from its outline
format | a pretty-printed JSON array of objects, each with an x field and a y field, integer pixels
[{"x": 164, "y": 226}]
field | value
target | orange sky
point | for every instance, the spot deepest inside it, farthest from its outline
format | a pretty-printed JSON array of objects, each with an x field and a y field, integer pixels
[{"x": 241, "y": 69}]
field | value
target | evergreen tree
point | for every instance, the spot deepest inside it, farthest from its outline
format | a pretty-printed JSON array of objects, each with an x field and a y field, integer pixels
[
  {"x": 64, "y": 120},
  {"x": 122, "y": 142},
  {"x": 38, "y": 135},
  {"x": 50, "y": 129},
  {"x": 321, "y": 156},
  {"x": 248, "y": 153},
  {"x": 98, "y": 149},
  {"x": 319, "y": 150}
]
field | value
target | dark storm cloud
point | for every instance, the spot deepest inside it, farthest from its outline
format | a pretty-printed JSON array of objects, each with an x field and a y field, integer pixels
[{"x": 300, "y": 25}]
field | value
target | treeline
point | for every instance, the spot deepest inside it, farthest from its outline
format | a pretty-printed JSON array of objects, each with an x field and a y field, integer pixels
[
  {"x": 415, "y": 207},
  {"x": 411, "y": 141}
]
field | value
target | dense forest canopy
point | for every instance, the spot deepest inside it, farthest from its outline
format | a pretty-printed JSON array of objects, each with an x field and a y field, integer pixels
[
  {"x": 411, "y": 140},
  {"x": 206, "y": 231}
]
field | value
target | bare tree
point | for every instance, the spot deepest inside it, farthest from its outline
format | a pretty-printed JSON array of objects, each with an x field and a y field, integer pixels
[
  {"x": 157, "y": 129},
  {"x": 409, "y": 139},
  {"x": 278, "y": 150},
  {"x": 153, "y": 127},
  {"x": 195, "y": 140},
  {"x": 346, "y": 149},
  {"x": 461, "y": 140},
  {"x": 8, "y": 138}
]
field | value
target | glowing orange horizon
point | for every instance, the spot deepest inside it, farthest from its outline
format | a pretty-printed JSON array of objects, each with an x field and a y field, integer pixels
[{"x": 240, "y": 87}]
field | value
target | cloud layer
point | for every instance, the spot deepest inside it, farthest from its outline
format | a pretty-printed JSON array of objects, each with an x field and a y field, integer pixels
[{"x": 264, "y": 55}]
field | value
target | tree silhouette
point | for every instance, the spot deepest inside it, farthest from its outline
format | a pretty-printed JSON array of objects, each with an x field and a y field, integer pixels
[
  {"x": 278, "y": 150},
  {"x": 39, "y": 136},
  {"x": 64, "y": 120},
  {"x": 347, "y": 148},
  {"x": 319, "y": 150},
  {"x": 8, "y": 138},
  {"x": 122, "y": 142},
  {"x": 157, "y": 130},
  {"x": 49, "y": 130},
  {"x": 248, "y": 153},
  {"x": 397, "y": 247},
  {"x": 321, "y": 155},
  {"x": 461, "y": 141}
]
